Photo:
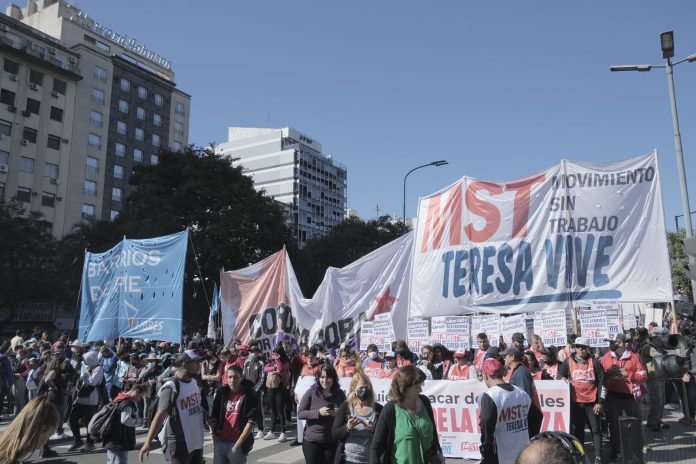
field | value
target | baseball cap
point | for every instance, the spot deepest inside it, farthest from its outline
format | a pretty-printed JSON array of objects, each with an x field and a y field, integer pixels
[
  {"x": 582, "y": 341},
  {"x": 459, "y": 354},
  {"x": 493, "y": 368},
  {"x": 186, "y": 356},
  {"x": 657, "y": 331},
  {"x": 517, "y": 337},
  {"x": 390, "y": 354}
]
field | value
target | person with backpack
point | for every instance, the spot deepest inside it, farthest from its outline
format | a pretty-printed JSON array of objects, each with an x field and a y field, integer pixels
[
  {"x": 233, "y": 418},
  {"x": 253, "y": 372},
  {"x": 53, "y": 383},
  {"x": 87, "y": 399},
  {"x": 180, "y": 409},
  {"x": 121, "y": 436}
]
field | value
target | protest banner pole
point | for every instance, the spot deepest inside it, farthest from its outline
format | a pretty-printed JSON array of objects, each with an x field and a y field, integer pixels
[{"x": 575, "y": 320}]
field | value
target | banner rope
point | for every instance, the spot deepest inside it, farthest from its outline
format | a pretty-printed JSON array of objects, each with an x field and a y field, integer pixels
[
  {"x": 77, "y": 308},
  {"x": 200, "y": 274}
]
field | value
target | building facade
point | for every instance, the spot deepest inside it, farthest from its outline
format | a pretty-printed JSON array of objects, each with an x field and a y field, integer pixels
[
  {"x": 126, "y": 109},
  {"x": 291, "y": 168}
]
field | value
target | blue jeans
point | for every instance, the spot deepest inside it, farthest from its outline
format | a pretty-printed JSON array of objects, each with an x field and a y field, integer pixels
[
  {"x": 226, "y": 453},
  {"x": 116, "y": 456}
]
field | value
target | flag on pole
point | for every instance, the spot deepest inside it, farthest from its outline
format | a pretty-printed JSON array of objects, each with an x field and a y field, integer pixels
[{"x": 214, "y": 309}]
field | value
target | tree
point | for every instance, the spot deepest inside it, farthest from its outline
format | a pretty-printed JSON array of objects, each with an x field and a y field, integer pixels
[
  {"x": 28, "y": 264},
  {"x": 231, "y": 225},
  {"x": 347, "y": 242},
  {"x": 678, "y": 259}
]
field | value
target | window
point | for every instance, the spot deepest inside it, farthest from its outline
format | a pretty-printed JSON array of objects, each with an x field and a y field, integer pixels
[
  {"x": 96, "y": 118},
  {"x": 178, "y": 128},
  {"x": 48, "y": 199},
  {"x": 159, "y": 100},
  {"x": 122, "y": 128},
  {"x": 56, "y": 114},
  {"x": 125, "y": 85},
  {"x": 4, "y": 157},
  {"x": 114, "y": 214},
  {"x": 33, "y": 106},
  {"x": 120, "y": 150},
  {"x": 35, "y": 77},
  {"x": 92, "y": 165},
  {"x": 138, "y": 155},
  {"x": 154, "y": 160},
  {"x": 156, "y": 140},
  {"x": 87, "y": 211},
  {"x": 99, "y": 74},
  {"x": 53, "y": 142},
  {"x": 29, "y": 134},
  {"x": 94, "y": 141},
  {"x": 139, "y": 134},
  {"x": 50, "y": 170},
  {"x": 123, "y": 106},
  {"x": 2, "y": 190},
  {"x": 26, "y": 164},
  {"x": 90, "y": 188},
  {"x": 142, "y": 93},
  {"x": 118, "y": 171},
  {"x": 5, "y": 127},
  {"x": 176, "y": 146},
  {"x": 116, "y": 194},
  {"x": 11, "y": 67},
  {"x": 24, "y": 194},
  {"x": 7, "y": 97},
  {"x": 140, "y": 113},
  {"x": 59, "y": 86},
  {"x": 179, "y": 109},
  {"x": 98, "y": 97},
  {"x": 157, "y": 120}
]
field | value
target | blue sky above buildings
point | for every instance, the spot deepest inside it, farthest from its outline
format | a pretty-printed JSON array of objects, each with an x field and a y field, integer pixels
[{"x": 499, "y": 89}]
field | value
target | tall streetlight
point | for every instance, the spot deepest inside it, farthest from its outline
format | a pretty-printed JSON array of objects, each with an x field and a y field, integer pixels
[
  {"x": 434, "y": 163},
  {"x": 667, "y": 45}
]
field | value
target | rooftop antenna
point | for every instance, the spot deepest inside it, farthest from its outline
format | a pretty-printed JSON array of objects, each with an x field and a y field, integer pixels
[{"x": 377, "y": 209}]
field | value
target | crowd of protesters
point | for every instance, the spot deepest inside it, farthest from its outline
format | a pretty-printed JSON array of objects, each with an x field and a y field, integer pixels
[{"x": 239, "y": 393}]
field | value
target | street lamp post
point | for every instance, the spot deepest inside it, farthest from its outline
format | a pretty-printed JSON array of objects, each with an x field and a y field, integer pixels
[
  {"x": 434, "y": 163},
  {"x": 667, "y": 45}
]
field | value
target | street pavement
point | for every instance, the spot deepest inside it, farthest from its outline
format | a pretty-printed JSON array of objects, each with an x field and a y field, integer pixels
[{"x": 674, "y": 445}]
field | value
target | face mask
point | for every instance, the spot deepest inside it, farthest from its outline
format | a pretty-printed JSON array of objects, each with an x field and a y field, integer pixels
[
  {"x": 398, "y": 350},
  {"x": 362, "y": 394},
  {"x": 373, "y": 354}
]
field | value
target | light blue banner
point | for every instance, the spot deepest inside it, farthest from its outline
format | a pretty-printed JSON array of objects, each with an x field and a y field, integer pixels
[{"x": 134, "y": 290}]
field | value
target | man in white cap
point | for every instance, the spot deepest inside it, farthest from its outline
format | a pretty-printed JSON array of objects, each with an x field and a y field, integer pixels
[{"x": 181, "y": 410}]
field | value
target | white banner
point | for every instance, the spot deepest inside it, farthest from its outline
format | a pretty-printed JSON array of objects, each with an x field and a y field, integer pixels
[
  {"x": 511, "y": 324},
  {"x": 456, "y": 410},
  {"x": 612, "y": 309},
  {"x": 593, "y": 326},
  {"x": 452, "y": 332},
  {"x": 571, "y": 234},
  {"x": 490, "y": 325}
]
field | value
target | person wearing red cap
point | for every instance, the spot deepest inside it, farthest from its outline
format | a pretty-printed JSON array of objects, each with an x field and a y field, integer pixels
[
  {"x": 504, "y": 417},
  {"x": 462, "y": 369}
]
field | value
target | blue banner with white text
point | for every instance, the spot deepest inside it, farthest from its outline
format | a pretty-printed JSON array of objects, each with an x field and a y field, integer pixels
[{"x": 134, "y": 290}]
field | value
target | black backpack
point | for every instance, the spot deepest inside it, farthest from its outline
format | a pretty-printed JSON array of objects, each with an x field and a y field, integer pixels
[
  {"x": 154, "y": 406},
  {"x": 101, "y": 424}
]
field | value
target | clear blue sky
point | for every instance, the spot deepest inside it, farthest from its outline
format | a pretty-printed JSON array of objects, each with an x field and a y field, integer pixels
[{"x": 500, "y": 89}]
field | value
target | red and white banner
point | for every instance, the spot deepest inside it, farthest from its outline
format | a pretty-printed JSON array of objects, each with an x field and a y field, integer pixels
[
  {"x": 456, "y": 410},
  {"x": 571, "y": 234}
]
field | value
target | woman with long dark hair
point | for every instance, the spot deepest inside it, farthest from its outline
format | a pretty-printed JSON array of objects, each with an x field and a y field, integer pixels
[
  {"x": 318, "y": 407},
  {"x": 277, "y": 382}
]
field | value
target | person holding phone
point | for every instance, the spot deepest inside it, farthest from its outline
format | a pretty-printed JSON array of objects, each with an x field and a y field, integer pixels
[
  {"x": 318, "y": 408},
  {"x": 355, "y": 422}
]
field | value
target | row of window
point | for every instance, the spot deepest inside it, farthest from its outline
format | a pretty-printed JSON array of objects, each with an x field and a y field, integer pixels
[
  {"x": 35, "y": 77},
  {"x": 120, "y": 151},
  {"x": 29, "y": 134},
  {"x": 90, "y": 190},
  {"x": 32, "y": 106}
]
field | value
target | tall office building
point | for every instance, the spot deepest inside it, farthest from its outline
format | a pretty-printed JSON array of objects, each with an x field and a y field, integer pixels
[
  {"x": 125, "y": 108},
  {"x": 291, "y": 168}
]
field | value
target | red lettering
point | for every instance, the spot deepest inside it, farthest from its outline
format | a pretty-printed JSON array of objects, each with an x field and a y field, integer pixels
[
  {"x": 520, "y": 215},
  {"x": 553, "y": 422},
  {"x": 437, "y": 218},
  {"x": 466, "y": 425},
  {"x": 486, "y": 210},
  {"x": 441, "y": 419}
]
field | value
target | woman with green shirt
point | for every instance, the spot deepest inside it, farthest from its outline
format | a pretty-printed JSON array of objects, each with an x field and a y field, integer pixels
[{"x": 405, "y": 432}]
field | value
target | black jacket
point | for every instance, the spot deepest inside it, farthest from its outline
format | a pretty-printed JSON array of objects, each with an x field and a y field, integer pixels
[
  {"x": 383, "y": 439},
  {"x": 122, "y": 437},
  {"x": 247, "y": 410},
  {"x": 339, "y": 431}
]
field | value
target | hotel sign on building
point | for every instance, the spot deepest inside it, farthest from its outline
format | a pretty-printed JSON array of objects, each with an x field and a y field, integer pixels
[{"x": 131, "y": 44}]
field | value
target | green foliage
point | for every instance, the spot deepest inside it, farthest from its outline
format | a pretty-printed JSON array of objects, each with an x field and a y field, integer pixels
[
  {"x": 28, "y": 258},
  {"x": 347, "y": 242},
  {"x": 678, "y": 259}
]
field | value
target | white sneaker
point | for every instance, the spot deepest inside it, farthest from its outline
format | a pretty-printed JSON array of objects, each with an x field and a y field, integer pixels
[
  {"x": 269, "y": 436},
  {"x": 55, "y": 436},
  {"x": 259, "y": 435},
  {"x": 282, "y": 438}
]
